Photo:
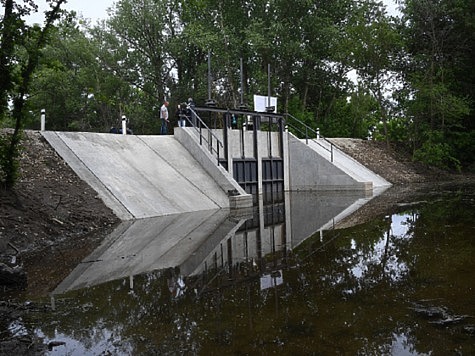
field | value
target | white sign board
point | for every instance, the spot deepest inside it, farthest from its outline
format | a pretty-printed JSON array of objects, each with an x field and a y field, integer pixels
[
  {"x": 271, "y": 281},
  {"x": 261, "y": 102}
]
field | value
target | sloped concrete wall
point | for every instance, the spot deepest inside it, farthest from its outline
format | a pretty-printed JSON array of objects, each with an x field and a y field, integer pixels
[
  {"x": 309, "y": 171},
  {"x": 141, "y": 176}
]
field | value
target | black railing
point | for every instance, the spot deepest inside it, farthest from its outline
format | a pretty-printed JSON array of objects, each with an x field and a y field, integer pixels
[
  {"x": 209, "y": 138},
  {"x": 302, "y": 130}
]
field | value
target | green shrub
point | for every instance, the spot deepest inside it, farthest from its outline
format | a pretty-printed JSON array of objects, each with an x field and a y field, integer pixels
[
  {"x": 9, "y": 164},
  {"x": 437, "y": 153}
]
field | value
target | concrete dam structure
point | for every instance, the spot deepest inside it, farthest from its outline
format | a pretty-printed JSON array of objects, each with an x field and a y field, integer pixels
[
  {"x": 148, "y": 176},
  {"x": 203, "y": 199}
]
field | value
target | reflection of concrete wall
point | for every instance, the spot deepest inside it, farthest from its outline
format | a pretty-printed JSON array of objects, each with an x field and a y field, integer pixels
[
  {"x": 306, "y": 213},
  {"x": 197, "y": 241},
  {"x": 242, "y": 245},
  {"x": 245, "y": 246},
  {"x": 200, "y": 259},
  {"x": 146, "y": 245},
  {"x": 271, "y": 239},
  {"x": 310, "y": 211}
]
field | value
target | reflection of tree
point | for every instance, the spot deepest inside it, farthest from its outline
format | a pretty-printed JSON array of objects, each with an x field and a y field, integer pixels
[{"x": 368, "y": 256}]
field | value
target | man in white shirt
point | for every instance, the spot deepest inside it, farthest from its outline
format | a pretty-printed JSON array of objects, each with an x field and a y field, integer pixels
[{"x": 164, "y": 118}]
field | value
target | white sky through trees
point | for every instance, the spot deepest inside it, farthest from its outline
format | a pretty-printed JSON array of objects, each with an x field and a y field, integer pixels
[{"x": 96, "y": 10}]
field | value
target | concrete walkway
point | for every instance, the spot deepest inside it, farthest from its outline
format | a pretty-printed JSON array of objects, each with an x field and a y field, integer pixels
[{"x": 139, "y": 176}]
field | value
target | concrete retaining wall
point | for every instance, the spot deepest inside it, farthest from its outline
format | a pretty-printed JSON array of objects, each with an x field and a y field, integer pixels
[{"x": 308, "y": 170}]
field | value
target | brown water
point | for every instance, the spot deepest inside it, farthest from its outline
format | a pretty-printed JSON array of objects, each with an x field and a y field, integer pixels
[{"x": 401, "y": 284}]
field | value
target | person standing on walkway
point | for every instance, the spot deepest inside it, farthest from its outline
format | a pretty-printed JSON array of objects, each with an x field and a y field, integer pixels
[
  {"x": 164, "y": 118},
  {"x": 182, "y": 115},
  {"x": 190, "y": 112}
]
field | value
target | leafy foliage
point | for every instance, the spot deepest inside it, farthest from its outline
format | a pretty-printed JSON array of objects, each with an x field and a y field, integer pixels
[
  {"x": 436, "y": 152},
  {"x": 440, "y": 45}
]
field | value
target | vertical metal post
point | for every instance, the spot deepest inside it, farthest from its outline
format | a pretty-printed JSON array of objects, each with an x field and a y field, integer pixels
[
  {"x": 242, "y": 82},
  {"x": 43, "y": 119},
  {"x": 227, "y": 125},
  {"x": 268, "y": 85},
  {"x": 282, "y": 129},
  {"x": 124, "y": 125},
  {"x": 269, "y": 138},
  {"x": 243, "y": 129},
  {"x": 209, "y": 76}
]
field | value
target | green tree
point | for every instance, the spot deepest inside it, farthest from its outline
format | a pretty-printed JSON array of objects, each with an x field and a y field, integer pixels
[
  {"x": 440, "y": 76},
  {"x": 144, "y": 30},
  {"x": 372, "y": 45},
  {"x": 17, "y": 66},
  {"x": 81, "y": 80}
]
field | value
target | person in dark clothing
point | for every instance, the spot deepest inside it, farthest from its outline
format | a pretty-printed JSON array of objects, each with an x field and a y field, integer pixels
[{"x": 190, "y": 112}]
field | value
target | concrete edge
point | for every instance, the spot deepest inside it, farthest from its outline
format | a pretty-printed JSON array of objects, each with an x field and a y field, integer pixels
[
  {"x": 86, "y": 262},
  {"x": 330, "y": 225},
  {"x": 358, "y": 186},
  {"x": 189, "y": 140}
]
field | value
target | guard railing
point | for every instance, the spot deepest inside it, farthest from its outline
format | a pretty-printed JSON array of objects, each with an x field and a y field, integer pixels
[
  {"x": 302, "y": 130},
  {"x": 205, "y": 134}
]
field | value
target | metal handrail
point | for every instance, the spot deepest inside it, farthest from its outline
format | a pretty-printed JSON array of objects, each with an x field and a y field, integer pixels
[
  {"x": 306, "y": 134},
  {"x": 211, "y": 135}
]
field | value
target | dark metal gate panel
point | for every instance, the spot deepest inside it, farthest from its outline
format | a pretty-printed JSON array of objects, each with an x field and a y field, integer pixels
[
  {"x": 272, "y": 179},
  {"x": 245, "y": 173}
]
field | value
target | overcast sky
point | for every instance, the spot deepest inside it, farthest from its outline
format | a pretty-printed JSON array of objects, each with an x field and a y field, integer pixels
[
  {"x": 90, "y": 9},
  {"x": 97, "y": 9}
]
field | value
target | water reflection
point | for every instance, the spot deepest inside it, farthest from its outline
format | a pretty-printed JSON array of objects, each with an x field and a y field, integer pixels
[
  {"x": 192, "y": 243},
  {"x": 385, "y": 252},
  {"x": 273, "y": 281}
]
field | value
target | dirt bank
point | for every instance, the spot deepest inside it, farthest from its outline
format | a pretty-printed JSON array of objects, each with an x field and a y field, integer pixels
[
  {"x": 409, "y": 179},
  {"x": 48, "y": 224}
]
